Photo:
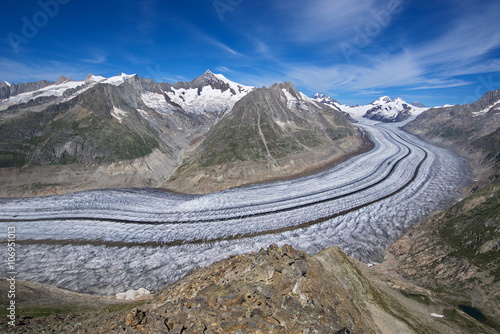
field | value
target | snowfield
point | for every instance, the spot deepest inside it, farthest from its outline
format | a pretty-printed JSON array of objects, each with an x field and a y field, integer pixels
[{"x": 108, "y": 241}]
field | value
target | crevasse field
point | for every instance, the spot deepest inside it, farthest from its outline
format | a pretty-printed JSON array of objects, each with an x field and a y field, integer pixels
[{"x": 108, "y": 241}]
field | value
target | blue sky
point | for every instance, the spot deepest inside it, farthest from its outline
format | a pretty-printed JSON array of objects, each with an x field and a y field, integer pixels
[{"x": 437, "y": 52}]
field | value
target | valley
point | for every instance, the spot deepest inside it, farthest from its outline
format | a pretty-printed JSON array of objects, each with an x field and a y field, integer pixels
[{"x": 106, "y": 241}]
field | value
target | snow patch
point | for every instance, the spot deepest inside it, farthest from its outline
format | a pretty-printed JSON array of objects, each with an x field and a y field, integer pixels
[
  {"x": 485, "y": 111},
  {"x": 118, "y": 114},
  {"x": 157, "y": 102},
  {"x": 295, "y": 103},
  {"x": 133, "y": 294},
  {"x": 119, "y": 79}
]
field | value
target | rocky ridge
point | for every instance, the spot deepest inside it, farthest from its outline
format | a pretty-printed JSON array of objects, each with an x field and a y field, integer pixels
[{"x": 278, "y": 290}]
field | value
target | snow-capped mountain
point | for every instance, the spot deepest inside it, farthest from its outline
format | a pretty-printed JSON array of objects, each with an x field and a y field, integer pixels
[
  {"x": 383, "y": 109},
  {"x": 322, "y": 98},
  {"x": 387, "y": 110},
  {"x": 208, "y": 94},
  {"x": 63, "y": 89},
  {"x": 106, "y": 120},
  {"x": 269, "y": 131}
]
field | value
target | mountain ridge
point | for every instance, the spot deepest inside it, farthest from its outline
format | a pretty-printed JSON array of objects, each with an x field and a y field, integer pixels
[
  {"x": 383, "y": 109},
  {"x": 89, "y": 130},
  {"x": 275, "y": 129}
]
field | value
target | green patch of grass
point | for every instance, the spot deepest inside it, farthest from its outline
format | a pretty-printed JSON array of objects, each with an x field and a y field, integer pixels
[
  {"x": 71, "y": 308},
  {"x": 11, "y": 159},
  {"x": 418, "y": 297},
  {"x": 466, "y": 227},
  {"x": 335, "y": 134}
]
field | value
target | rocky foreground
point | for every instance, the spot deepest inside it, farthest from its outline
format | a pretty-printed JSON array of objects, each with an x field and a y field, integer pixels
[{"x": 278, "y": 290}]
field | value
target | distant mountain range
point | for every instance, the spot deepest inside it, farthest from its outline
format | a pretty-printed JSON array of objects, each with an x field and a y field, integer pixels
[
  {"x": 383, "y": 109},
  {"x": 70, "y": 135}
]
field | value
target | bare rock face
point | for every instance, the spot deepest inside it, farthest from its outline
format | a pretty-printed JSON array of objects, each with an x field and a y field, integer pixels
[{"x": 283, "y": 290}]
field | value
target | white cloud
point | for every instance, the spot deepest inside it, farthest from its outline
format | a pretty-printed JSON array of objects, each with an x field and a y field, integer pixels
[
  {"x": 463, "y": 49},
  {"x": 321, "y": 20},
  {"x": 97, "y": 59},
  {"x": 395, "y": 71}
]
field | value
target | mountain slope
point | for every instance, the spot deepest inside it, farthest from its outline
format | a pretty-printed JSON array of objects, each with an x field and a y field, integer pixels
[
  {"x": 270, "y": 132},
  {"x": 99, "y": 132},
  {"x": 457, "y": 252},
  {"x": 278, "y": 290},
  {"x": 473, "y": 130}
]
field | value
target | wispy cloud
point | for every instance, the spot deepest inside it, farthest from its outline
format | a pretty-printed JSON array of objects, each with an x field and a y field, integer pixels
[
  {"x": 14, "y": 71},
  {"x": 97, "y": 59},
  {"x": 320, "y": 20},
  {"x": 442, "y": 83},
  {"x": 472, "y": 36},
  {"x": 463, "y": 49},
  {"x": 384, "y": 72},
  {"x": 223, "y": 69},
  {"x": 220, "y": 45}
]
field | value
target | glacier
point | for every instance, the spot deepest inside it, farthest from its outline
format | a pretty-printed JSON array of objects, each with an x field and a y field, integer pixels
[{"x": 112, "y": 240}]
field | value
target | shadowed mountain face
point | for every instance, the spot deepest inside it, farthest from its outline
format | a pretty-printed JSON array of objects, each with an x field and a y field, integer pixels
[{"x": 269, "y": 130}]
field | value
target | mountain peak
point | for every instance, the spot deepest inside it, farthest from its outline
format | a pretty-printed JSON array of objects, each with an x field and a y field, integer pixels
[
  {"x": 209, "y": 76},
  {"x": 418, "y": 104},
  {"x": 319, "y": 97},
  {"x": 208, "y": 73},
  {"x": 62, "y": 79},
  {"x": 382, "y": 100}
]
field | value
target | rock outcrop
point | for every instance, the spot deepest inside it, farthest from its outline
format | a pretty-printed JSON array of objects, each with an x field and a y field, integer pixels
[{"x": 278, "y": 290}]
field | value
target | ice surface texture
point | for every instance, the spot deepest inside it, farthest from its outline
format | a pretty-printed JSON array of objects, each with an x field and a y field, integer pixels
[{"x": 108, "y": 241}]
